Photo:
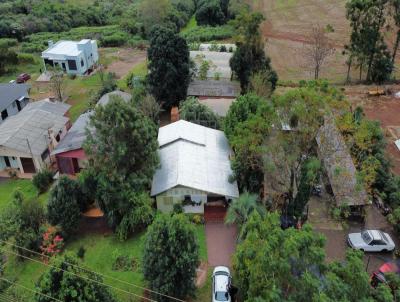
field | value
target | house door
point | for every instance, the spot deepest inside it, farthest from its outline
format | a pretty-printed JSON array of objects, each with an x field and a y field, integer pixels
[
  {"x": 7, "y": 161},
  {"x": 63, "y": 66},
  {"x": 18, "y": 105},
  {"x": 28, "y": 165}
]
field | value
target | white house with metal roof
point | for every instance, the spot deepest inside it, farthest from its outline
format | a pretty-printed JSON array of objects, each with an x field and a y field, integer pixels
[
  {"x": 26, "y": 139},
  {"x": 72, "y": 56},
  {"x": 195, "y": 167}
]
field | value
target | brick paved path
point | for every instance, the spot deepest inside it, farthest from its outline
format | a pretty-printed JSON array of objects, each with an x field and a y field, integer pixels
[{"x": 221, "y": 243}]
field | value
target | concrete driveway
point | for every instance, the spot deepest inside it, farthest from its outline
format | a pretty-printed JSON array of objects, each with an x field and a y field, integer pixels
[{"x": 221, "y": 243}]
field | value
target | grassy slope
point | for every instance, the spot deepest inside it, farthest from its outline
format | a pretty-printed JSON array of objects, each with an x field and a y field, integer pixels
[{"x": 99, "y": 257}]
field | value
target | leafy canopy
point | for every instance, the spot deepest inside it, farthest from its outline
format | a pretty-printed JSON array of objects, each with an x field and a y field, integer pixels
[
  {"x": 171, "y": 256},
  {"x": 169, "y": 66}
]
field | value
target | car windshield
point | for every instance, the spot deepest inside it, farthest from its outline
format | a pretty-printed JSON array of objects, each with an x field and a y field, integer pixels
[
  {"x": 366, "y": 237},
  {"x": 384, "y": 237},
  {"x": 221, "y": 296}
]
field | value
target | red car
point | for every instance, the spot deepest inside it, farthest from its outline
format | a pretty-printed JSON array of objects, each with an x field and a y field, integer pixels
[
  {"x": 379, "y": 275},
  {"x": 23, "y": 77}
]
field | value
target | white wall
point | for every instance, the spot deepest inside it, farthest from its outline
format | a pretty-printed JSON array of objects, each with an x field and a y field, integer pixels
[{"x": 166, "y": 200}]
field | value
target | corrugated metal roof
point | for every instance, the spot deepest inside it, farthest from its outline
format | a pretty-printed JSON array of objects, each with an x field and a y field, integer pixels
[
  {"x": 194, "y": 156},
  {"x": 32, "y": 126},
  {"x": 11, "y": 92},
  {"x": 219, "y": 62},
  {"x": 57, "y": 108},
  {"x": 106, "y": 98},
  {"x": 339, "y": 165},
  {"x": 75, "y": 137},
  {"x": 213, "y": 88}
]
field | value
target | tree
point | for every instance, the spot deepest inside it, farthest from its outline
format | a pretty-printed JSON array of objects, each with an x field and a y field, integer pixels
[
  {"x": 209, "y": 12},
  {"x": 57, "y": 84},
  {"x": 396, "y": 18},
  {"x": 8, "y": 57},
  {"x": 22, "y": 220},
  {"x": 171, "y": 270},
  {"x": 63, "y": 206},
  {"x": 293, "y": 262},
  {"x": 249, "y": 56},
  {"x": 169, "y": 65},
  {"x": 149, "y": 107},
  {"x": 290, "y": 163},
  {"x": 247, "y": 125},
  {"x": 193, "y": 111},
  {"x": 367, "y": 45},
  {"x": 152, "y": 12},
  {"x": 317, "y": 49},
  {"x": 122, "y": 153},
  {"x": 283, "y": 257},
  {"x": 67, "y": 281},
  {"x": 240, "y": 209}
]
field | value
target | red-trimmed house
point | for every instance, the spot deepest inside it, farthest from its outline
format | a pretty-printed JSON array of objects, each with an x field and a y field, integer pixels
[{"x": 69, "y": 153}]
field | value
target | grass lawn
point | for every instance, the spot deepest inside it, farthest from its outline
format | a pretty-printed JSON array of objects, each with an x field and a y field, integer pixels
[
  {"x": 31, "y": 68},
  {"x": 99, "y": 256},
  {"x": 190, "y": 25},
  {"x": 139, "y": 70},
  {"x": 8, "y": 186}
]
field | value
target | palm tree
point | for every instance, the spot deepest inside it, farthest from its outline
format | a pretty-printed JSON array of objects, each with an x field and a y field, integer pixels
[{"x": 241, "y": 208}]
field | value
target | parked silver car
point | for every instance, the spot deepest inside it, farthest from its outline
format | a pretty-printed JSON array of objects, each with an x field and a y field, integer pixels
[
  {"x": 221, "y": 281},
  {"x": 371, "y": 241}
]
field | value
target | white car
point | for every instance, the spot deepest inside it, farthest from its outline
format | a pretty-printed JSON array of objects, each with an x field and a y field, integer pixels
[
  {"x": 371, "y": 241},
  {"x": 221, "y": 280}
]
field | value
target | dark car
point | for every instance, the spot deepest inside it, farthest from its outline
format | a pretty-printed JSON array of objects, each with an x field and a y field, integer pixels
[
  {"x": 23, "y": 77},
  {"x": 378, "y": 276}
]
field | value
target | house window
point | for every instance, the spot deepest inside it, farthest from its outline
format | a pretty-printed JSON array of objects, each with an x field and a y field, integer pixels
[
  {"x": 72, "y": 65},
  {"x": 45, "y": 154},
  {"x": 4, "y": 114},
  {"x": 82, "y": 64},
  {"x": 168, "y": 201}
]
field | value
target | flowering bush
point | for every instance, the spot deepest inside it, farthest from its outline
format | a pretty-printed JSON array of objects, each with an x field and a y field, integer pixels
[{"x": 52, "y": 243}]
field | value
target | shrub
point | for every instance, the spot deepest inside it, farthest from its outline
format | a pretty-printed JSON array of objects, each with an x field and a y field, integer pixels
[
  {"x": 114, "y": 40},
  {"x": 178, "y": 208},
  {"x": 123, "y": 263},
  {"x": 198, "y": 219},
  {"x": 42, "y": 180},
  {"x": 72, "y": 76},
  {"x": 81, "y": 252},
  {"x": 208, "y": 33},
  {"x": 26, "y": 58},
  {"x": 52, "y": 243}
]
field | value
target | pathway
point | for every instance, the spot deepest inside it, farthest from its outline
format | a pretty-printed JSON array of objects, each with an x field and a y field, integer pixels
[{"x": 221, "y": 243}]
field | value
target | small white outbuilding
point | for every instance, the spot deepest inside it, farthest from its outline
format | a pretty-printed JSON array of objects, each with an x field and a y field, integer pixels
[{"x": 195, "y": 168}]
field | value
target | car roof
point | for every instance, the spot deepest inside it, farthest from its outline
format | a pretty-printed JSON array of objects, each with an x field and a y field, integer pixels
[
  {"x": 221, "y": 283},
  {"x": 375, "y": 234}
]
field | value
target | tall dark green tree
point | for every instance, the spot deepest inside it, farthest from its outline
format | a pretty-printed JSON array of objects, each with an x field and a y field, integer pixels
[
  {"x": 66, "y": 281},
  {"x": 169, "y": 72},
  {"x": 122, "y": 150},
  {"x": 396, "y": 18},
  {"x": 210, "y": 12},
  {"x": 63, "y": 206},
  {"x": 8, "y": 58},
  {"x": 367, "y": 45},
  {"x": 171, "y": 256},
  {"x": 249, "y": 57}
]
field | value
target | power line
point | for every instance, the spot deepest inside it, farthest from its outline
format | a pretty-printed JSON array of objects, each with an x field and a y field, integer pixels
[
  {"x": 8, "y": 297},
  {"x": 97, "y": 273},
  {"x": 82, "y": 277},
  {"x": 31, "y": 290}
]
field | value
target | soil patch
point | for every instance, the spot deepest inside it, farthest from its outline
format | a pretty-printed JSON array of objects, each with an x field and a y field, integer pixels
[{"x": 125, "y": 60}]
